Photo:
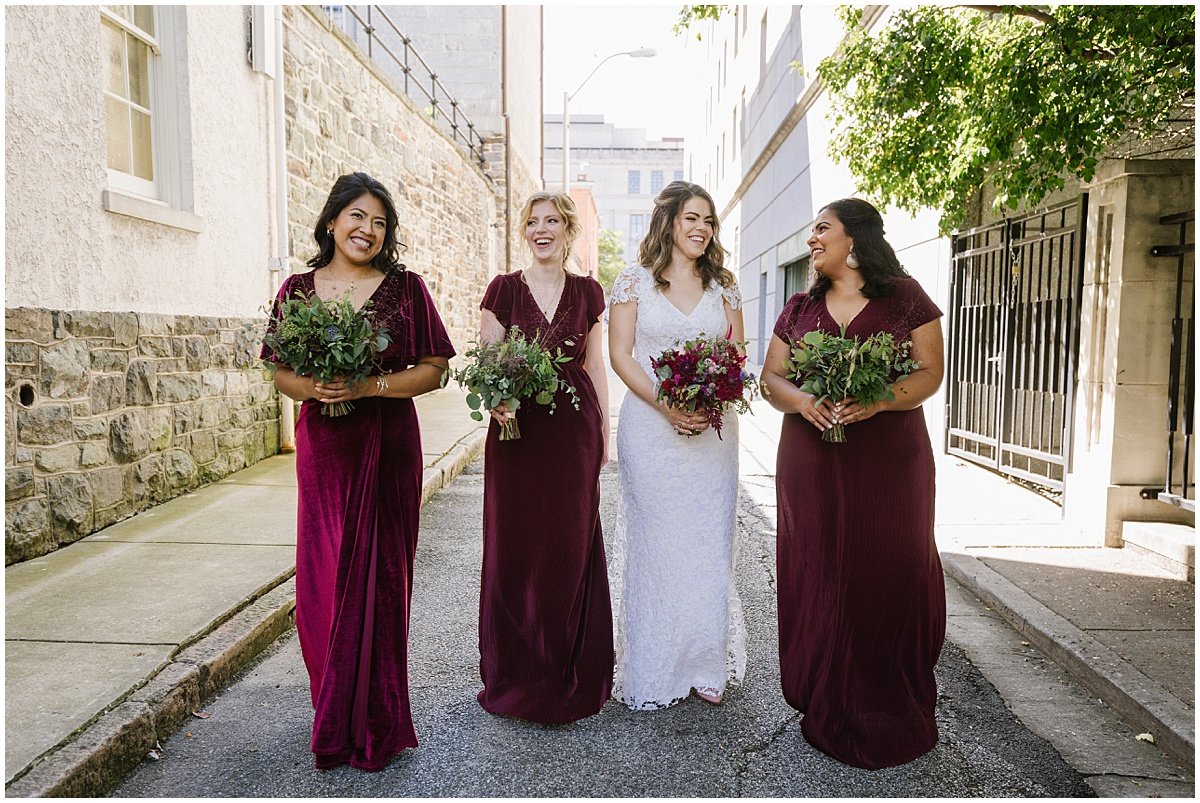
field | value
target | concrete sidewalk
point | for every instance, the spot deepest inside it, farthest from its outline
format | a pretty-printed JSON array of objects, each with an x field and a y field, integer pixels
[{"x": 111, "y": 642}]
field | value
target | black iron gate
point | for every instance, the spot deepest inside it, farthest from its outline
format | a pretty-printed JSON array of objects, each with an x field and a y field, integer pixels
[
  {"x": 1015, "y": 290},
  {"x": 1180, "y": 486}
]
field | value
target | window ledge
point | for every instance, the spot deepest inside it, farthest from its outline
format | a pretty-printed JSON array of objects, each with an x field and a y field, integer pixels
[{"x": 147, "y": 209}]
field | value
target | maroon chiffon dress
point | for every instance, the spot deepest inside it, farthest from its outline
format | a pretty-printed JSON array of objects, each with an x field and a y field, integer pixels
[
  {"x": 545, "y": 619},
  {"x": 862, "y": 607},
  {"x": 359, "y": 478}
]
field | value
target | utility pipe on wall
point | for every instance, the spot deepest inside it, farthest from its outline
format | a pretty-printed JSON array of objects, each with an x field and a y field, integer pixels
[{"x": 279, "y": 264}]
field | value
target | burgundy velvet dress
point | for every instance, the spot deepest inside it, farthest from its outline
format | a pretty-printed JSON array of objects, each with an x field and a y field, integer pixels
[
  {"x": 862, "y": 606},
  {"x": 545, "y": 618},
  {"x": 359, "y": 478}
]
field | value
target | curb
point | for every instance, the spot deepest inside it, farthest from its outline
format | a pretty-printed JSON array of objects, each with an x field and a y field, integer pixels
[
  {"x": 1141, "y": 701},
  {"x": 96, "y": 758}
]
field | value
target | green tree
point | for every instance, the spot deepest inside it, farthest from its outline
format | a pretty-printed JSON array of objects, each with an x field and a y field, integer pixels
[
  {"x": 946, "y": 100},
  {"x": 690, "y": 14},
  {"x": 612, "y": 257}
]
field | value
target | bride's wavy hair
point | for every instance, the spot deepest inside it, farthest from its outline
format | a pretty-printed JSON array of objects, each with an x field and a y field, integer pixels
[
  {"x": 654, "y": 253},
  {"x": 566, "y": 209},
  {"x": 877, "y": 260}
]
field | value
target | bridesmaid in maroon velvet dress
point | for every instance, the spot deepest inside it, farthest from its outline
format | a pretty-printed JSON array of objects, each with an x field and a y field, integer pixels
[
  {"x": 545, "y": 620},
  {"x": 359, "y": 478},
  {"x": 862, "y": 607}
]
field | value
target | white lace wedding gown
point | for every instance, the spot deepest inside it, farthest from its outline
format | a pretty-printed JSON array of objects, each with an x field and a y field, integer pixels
[{"x": 679, "y": 624}]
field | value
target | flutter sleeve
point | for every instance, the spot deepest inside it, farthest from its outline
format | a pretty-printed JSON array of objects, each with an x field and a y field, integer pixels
[
  {"x": 286, "y": 290},
  {"x": 920, "y": 308},
  {"x": 628, "y": 285},
  {"x": 593, "y": 295},
  {"x": 425, "y": 333},
  {"x": 733, "y": 295},
  {"x": 498, "y": 299}
]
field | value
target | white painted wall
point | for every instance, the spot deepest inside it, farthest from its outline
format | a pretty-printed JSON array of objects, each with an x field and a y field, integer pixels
[{"x": 63, "y": 250}]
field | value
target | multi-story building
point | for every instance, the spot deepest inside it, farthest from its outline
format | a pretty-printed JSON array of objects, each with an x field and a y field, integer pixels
[
  {"x": 624, "y": 169},
  {"x": 1053, "y": 397}
]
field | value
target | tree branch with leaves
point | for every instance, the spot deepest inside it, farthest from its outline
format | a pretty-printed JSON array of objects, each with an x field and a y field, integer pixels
[{"x": 944, "y": 101}]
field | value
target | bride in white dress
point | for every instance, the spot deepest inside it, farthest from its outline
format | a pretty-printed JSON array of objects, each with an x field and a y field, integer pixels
[{"x": 679, "y": 625}]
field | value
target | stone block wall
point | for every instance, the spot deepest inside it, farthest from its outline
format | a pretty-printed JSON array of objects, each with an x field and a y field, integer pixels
[
  {"x": 344, "y": 114},
  {"x": 109, "y": 413}
]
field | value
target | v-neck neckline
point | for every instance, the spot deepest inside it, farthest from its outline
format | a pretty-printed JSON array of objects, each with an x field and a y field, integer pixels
[
  {"x": 849, "y": 323},
  {"x": 561, "y": 297},
  {"x": 370, "y": 298}
]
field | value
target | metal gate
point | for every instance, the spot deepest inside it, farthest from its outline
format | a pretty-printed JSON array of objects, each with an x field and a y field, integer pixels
[{"x": 1015, "y": 290}]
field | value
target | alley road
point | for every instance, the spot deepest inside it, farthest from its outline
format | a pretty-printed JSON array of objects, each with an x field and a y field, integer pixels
[{"x": 255, "y": 741}]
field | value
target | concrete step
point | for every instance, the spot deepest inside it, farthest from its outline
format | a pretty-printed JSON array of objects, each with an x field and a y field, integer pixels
[{"x": 1171, "y": 547}]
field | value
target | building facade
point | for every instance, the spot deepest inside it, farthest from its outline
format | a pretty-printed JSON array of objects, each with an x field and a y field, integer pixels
[
  {"x": 482, "y": 65},
  {"x": 132, "y": 331},
  {"x": 1094, "y": 433},
  {"x": 624, "y": 170}
]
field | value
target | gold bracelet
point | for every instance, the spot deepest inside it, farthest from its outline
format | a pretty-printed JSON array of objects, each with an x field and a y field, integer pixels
[{"x": 381, "y": 385}]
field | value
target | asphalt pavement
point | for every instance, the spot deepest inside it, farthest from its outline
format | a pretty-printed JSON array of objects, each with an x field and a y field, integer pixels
[{"x": 254, "y": 741}]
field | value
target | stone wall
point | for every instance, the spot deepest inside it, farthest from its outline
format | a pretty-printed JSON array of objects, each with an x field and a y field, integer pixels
[
  {"x": 109, "y": 413},
  {"x": 343, "y": 115}
]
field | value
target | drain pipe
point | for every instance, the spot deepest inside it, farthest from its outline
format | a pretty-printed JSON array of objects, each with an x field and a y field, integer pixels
[{"x": 279, "y": 264}]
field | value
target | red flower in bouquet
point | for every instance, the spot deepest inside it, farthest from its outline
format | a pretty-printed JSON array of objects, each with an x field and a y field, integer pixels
[{"x": 708, "y": 375}]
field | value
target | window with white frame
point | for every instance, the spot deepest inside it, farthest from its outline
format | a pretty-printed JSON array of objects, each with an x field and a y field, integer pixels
[
  {"x": 130, "y": 50},
  {"x": 678, "y": 175},
  {"x": 635, "y": 182},
  {"x": 656, "y": 181},
  {"x": 147, "y": 125},
  {"x": 637, "y": 228}
]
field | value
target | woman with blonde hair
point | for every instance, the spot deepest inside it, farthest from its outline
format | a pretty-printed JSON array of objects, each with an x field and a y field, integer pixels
[
  {"x": 680, "y": 621},
  {"x": 545, "y": 623}
]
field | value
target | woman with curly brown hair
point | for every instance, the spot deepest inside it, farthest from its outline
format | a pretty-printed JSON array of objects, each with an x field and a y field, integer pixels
[{"x": 680, "y": 621}]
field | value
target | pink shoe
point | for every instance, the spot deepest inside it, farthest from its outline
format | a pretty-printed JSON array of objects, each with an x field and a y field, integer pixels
[{"x": 709, "y": 695}]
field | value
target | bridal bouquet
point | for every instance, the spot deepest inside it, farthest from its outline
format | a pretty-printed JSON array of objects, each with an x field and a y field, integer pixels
[
  {"x": 707, "y": 375},
  {"x": 509, "y": 371},
  {"x": 833, "y": 367},
  {"x": 327, "y": 340}
]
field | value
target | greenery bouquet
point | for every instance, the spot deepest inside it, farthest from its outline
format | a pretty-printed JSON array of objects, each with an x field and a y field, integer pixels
[
  {"x": 835, "y": 367},
  {"x": 327, "y": 340},
  {"x": 511, "y": 370}
]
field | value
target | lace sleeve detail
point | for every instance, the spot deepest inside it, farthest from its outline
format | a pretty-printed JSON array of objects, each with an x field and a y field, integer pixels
[
  {"x": 733, "y": 295},
  {"x": 626, "y": 286}
]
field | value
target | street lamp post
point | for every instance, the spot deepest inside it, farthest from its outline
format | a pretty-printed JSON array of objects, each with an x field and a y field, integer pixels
[{"x": 644, "y": 53}]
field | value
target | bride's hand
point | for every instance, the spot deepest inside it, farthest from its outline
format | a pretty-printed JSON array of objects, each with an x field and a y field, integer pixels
[{"x": 683, "y": 422}]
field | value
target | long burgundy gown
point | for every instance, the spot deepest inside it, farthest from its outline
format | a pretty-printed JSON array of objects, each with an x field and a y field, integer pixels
[
  {"x": 545, "y": 619},
  {"x": 359, "y": 478},
  {"x": 862, "y": 606}
]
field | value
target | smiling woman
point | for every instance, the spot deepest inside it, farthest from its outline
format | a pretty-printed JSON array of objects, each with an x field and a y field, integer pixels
[
  {"x": 680, "y": 621},
  {"x": 359, "y": 478}
]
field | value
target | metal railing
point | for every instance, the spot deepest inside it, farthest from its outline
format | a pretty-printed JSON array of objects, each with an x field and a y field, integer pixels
[
  {"x": 1181, "y": 382},
  {"x": 1015, "y": 291},
  {"x": 416, "y": 78}
]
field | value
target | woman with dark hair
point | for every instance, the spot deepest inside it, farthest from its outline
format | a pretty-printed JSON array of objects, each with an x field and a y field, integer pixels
[
  {"x": 862, "y": 607},
  {"x": 359, "y": 478},
  {"x": 545, "y": 623},
  {"x": 680, "y": 621}
]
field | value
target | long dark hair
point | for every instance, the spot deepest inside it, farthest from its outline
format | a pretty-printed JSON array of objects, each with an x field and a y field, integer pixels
[
  {"x": 654, "y": 253},
  {"x": 877, "y": 261},
  {"x": 344, "y": 191}
]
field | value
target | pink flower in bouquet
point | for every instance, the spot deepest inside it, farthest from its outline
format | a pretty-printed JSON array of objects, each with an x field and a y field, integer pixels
[{"x": 707, "y": 375}]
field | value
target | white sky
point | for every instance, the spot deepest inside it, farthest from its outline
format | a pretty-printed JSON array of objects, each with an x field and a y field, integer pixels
[{"x": 650, "y": 93}]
